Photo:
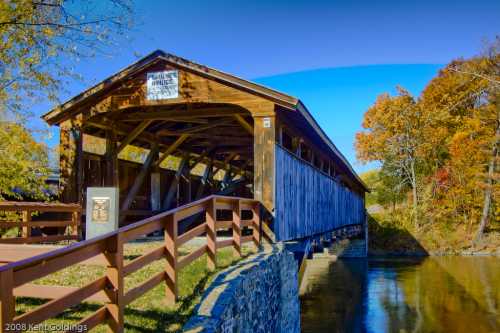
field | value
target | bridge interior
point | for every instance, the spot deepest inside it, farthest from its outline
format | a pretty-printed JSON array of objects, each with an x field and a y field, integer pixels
[{"x": 164, "y": 157}]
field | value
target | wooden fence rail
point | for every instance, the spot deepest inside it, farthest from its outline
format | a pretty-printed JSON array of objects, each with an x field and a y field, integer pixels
[
  {"x": 17, "y": 276},
  {"x": 63, "y": 221}
]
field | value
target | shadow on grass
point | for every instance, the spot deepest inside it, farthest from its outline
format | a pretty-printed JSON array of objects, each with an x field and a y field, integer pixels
[
  {"x": 168, "y": 319},
  {"x": 388, "y": 239}
]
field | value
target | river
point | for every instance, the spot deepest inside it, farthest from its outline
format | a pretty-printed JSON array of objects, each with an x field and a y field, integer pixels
[{"x": 434, "y": 294}]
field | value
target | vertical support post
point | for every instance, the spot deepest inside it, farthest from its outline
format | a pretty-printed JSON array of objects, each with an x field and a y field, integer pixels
[
  {"x": 155, "y": 191},
  {"x": 366, "y": 234},
  {"x": 187, "y": 187},
  {"x": 264, "y": 160},
  {"x": 296, "y": 146},
  {"x": 211, "y": 218},
  {"x": 111, "y": 160},
  {"x": 139, "y": 180},
  {"x": 67, "y": 159},
  {"x": 76, "y": 219},
  {"x": 256, "y": 227},
  {"x": 27, "y": 219},
  {"x": 114, "y": 273},
  {"x": 173, "y": 189},
  {"x": 171, "y": 254},
  {"x": 237, "y": 228},
  {"x": 78, "y": 138},
  {"x": 7, "y": 301}
]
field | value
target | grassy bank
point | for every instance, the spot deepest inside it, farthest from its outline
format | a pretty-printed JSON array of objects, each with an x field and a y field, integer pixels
[
  {"x": 148, "y": 313},
  {"x": 388, "y": 235}
]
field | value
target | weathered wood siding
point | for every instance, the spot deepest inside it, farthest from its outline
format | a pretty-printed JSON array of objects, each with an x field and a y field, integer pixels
[{"x": 309, "y": 202}]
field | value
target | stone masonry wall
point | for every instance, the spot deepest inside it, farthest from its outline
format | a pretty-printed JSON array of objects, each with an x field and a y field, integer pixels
[{"x": 259, "y": 294}]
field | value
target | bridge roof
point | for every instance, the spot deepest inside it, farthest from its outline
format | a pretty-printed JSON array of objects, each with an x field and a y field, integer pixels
[{"x": 67, "y": 109}]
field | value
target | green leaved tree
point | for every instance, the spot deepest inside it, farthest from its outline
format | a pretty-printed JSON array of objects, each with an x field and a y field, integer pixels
[
  {"x": 23, "y": 164},
  {"x": 40, "y": 41}
]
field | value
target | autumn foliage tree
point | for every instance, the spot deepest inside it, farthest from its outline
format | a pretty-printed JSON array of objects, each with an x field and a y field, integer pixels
[
  {"x": 442, "y": 147},
  {"x": 394, "y": 137}
]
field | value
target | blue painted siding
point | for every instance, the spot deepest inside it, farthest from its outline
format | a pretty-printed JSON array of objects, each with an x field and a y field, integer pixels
[{"x": 308, "y": 202}]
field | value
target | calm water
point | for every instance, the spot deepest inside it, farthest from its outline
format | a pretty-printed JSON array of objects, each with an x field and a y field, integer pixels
[{"x": 449, "y": 294}]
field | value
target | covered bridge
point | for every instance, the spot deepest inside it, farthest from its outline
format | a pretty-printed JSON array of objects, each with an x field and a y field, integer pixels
[{"x": 167, "y": 131}]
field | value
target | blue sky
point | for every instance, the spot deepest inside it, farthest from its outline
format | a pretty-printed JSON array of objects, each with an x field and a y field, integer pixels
[
  {"x": 338, "y": 97},
  {"x": 336, "y": 56}
]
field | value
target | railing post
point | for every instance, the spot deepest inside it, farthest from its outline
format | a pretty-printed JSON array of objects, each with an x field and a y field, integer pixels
[
  {"x": 171, "y": 254},
  {"x": 256, "y": 227},
  {"x": 7, "y": 301},
  {"x": 210, "y": 220},
  {"x": 237, "y": 228},
  {"x": 76, "y": 219},
  {"x": 26, "y": 219},
  {"x": 114, "y": 273}
]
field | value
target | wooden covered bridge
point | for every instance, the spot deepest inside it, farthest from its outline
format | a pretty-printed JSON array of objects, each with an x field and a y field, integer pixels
[
  {"x": 192, "y": 151},
  {"x": 167, "y": 131}
]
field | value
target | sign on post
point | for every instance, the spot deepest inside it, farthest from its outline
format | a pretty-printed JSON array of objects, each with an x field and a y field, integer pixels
[
  {"x": 101, "y": 211},
  {"x": 162, "y": 85}
]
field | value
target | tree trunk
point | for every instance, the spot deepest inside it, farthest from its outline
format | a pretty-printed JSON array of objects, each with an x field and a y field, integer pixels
[
  {"x": 414, "y": 193},
  {"x": 488, "y": 191}
]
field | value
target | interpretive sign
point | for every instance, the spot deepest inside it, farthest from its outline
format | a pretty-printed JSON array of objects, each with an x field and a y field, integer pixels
[
  {"x": 102, "y": 211},
  {"x": 162, "y": 85}
]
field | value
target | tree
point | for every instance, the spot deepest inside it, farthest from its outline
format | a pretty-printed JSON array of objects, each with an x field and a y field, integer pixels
[
  {"x": 393, "y": 136},
  {"x": 385, "y": 189},
  {"x": 465, "y": 99},
  {"x": 443, "y": 146},
  {"x": 24, "y": 164},
  {"x": 40, "y": 39}
]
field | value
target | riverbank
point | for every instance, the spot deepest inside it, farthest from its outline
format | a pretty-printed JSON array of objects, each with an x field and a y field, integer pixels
[{"x": 389, "y": 238}]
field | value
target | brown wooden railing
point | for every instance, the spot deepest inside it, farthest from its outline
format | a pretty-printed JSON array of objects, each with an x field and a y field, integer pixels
[
  {"x": 64, "y": 223},
  {"x": 15, "y": 278}
]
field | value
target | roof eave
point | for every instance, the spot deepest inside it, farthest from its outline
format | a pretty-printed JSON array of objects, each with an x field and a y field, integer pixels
[{"x": 228, "y": 79}]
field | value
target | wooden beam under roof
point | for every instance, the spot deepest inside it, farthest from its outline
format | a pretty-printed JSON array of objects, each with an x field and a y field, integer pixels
[
  {"x": 204, "y": 127},
  {"x": 195, "y": 129},
  {"x": 134, "y": 134},
  {"x": 178, "y": 120},
  {"x": 147, "y": 138},
  {"x": 244, "y": 124},
  {"x": 171, "y": 148},
  {"x": 219, "y": 111}
]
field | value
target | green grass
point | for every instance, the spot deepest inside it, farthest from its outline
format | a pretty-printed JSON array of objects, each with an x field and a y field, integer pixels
[{"x": 149, "y": 313}]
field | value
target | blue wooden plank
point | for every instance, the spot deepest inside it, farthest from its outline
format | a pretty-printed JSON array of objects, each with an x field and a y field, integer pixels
[{"x": 309, "y": 202}]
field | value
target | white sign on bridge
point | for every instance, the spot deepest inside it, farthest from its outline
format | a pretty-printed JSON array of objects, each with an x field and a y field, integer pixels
[{"x": 162, "y": 85}]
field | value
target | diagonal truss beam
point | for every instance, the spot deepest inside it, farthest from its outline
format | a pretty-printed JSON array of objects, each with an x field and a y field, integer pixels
[
  {"x": 134, "y": 134},
  {"x": 172, "y": 148}
]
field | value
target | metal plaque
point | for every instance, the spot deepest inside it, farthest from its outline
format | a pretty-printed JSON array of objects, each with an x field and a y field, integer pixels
[
  {"x": 162, "y": 85},
  {"x": 100, "y": 209}
]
